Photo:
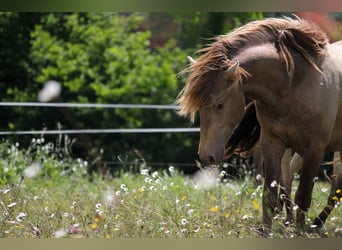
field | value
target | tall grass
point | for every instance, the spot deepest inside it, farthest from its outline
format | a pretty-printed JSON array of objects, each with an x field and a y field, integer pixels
[{"x": 45, "y": 193}]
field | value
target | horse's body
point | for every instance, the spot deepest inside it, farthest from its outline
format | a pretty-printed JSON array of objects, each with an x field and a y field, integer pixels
[
  {"x": 241, "y": 143},
  {"x": 294, "y": 77}
]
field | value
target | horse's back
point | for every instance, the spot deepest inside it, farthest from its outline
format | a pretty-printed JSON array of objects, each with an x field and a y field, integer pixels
[{"x": 333, "y": 69}]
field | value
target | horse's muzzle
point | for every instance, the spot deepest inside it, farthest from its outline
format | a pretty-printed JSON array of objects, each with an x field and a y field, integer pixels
[{"x": 212, "y": 156}]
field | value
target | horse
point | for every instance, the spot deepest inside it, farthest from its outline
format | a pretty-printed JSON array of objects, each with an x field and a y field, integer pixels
[
  {"x": 240, "y": 143},
  {"x": 294, "y": 76}
]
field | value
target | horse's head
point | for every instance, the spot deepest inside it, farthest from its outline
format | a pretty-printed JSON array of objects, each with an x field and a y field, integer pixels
[{"x": 221, "y": 116}]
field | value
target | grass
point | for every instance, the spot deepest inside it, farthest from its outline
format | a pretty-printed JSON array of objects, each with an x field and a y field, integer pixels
[{"x": 58, "y": 199}]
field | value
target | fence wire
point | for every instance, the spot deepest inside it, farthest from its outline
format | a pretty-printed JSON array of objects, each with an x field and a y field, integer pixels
[{"x": 95, "y": 131}]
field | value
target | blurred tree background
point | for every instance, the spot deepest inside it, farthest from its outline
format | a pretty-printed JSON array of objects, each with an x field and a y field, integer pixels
[{"x": 119, "y": 58}]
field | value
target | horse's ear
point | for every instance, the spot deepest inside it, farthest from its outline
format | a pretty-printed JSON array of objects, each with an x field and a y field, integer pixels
[
  {"x": 231, "y": 70},
  {"x": 191, "y": 60}
]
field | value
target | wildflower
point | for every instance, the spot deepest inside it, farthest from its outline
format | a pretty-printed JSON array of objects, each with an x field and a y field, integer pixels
[
  {"x": 338, "y": 191},
  {"x": 214, "y": 209},
  {"x": 20, "y": 217},
  {"x": 183, "y": 198},
  {"x": 98, "y": 205},
  {"x": 123, "y": 186},
  {"x": 164, "y": 188},
  {"x": 12, "y": 204},
  {"x": 6, "y": 191},
  {"x": 155, "y": 174},
  {"x": 256, "y": 205},
  {"x": 196, "y": 229},
  {"x": 66, "y": 215},
  {"x": 295, "y": 207},
  {"x": 36, "y": 231},
  {"x": 223, "y": 173},
  {"x": 74, "y": 228},
  {"x": 148, "y": 180},
  {"x": 142, "y": 189},
  {"x": 184, "y": 221},
  {"x": 152, "y": 188},
  {"x": 140, "y": 222},
  {"x": 190, "y": 212},
  {"x": 94, "y": 226},
  {"x": 98, "y": 213},
  {"x": 245, "y": 217},
  {"x": 171, "y": 169},
  {"x": 144, "y": 172},
  {"x": 117, "y": 193},
  {"x": 258, "y": 177},
  {"x": 273, "y": 184},
  {"x": 324, "y": 190}
]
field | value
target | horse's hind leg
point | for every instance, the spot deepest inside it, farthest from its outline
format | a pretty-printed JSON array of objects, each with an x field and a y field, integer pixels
[
  {"x": 335, "y": 191},
  {"x": 286, "y": 184}
]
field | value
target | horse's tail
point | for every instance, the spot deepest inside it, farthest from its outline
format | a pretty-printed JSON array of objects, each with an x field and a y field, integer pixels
[{"x": 246, "y": 134}]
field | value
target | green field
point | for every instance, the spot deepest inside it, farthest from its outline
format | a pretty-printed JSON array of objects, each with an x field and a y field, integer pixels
[{"x": 46, "y": 194}]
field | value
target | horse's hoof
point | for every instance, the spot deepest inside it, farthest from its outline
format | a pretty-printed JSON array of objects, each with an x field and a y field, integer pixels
[{"x": 263, "y": 232}]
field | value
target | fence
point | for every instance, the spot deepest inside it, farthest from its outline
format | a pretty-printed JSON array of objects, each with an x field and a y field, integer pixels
[
  {"x": 99, "y": 131},
  {"x": 95, "y": 131}
]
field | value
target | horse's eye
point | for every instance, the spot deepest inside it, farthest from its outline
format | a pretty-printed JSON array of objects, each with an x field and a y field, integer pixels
[{"x": 219, "y": 106}]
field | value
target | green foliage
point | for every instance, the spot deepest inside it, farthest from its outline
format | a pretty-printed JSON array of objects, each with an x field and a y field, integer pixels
[
  {"x": 44, "y": 159},
  {"x": 104, "y": 58}
]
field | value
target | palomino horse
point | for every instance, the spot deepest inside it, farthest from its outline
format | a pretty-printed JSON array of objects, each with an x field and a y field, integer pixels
[{"x": 294, "y": 75}]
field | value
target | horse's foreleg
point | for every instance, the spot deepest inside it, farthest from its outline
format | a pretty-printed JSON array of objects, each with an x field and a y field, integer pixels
[
  {"x": 335, "y": 191},
  {"x": 311, "y": 162},
  {"x": 286, "y": 184},
  {"x": 272, "y": 166}
]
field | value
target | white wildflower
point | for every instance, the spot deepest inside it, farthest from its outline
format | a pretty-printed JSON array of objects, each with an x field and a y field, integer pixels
[
  {"x": 274, "y": 184},
  {"x": 12, "y": 204}
]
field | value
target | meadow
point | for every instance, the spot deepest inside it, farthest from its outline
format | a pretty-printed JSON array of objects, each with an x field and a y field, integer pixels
[{"x": 44, "y": 193}]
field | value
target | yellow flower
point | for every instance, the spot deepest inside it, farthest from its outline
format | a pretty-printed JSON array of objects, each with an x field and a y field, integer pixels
[
  {"x": 338, "y": 191},
  {"x": 94, "y": 226},
  {"x": 256, "y": 205},
  {"x": 214, "y": 209},
  {"x": 183, "y": 198},
  {"x": 334, "y": 198}
]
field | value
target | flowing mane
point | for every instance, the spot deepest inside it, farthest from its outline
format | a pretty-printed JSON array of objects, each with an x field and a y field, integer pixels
[{"x": 288, "y": 35}]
